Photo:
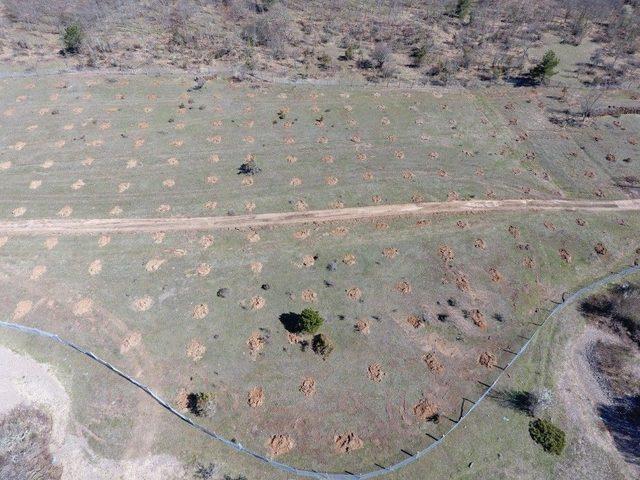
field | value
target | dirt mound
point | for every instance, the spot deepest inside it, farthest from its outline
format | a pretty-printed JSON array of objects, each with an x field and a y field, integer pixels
[
  {"x": 196, "y": 350},
  {"x": 403, "y": 287},
  {"x": 382, "y": 226},
  {"x": 339, "y": 231},
  {"x": 514, "y": 231},
  {"x": 347, "y": 442},
  {"x": 414, "y": 321},
  {"x": 362, "y": 326},
  {"x": 37, "y": 272},
  {"x": 390, "y": 252},
  {"x": 154, "y": 264},
  {"x": 158, "y": 237},
  {"x": 446, "y": 253},
  {"x": 495, "y": 275},
  {"x": 487, "y": 359},
  {"x": 301, "y": 234},
  {"x": 425, "y": 409},
  {"x": 479, "y": 243},
  {"x": 22, "y": 308},
  {"x": 478, "y": 318},
  {"x": 280, "y": 444},
  {"x": 142, "y": 304},
  {"x": 433, "y": 363},
  {"x": 354, "y": 293},
  {"x": 132, "y": 340},
  {"x": 50, "y": 243},
  {"x": 257, "y": 303},
  {"x": 95, "y": 267},
  {"x": 349, "y": 259},
  {"x": 82, "y": 307},
  {"x": 255, "y": 397},
  {"x": 256, "y": 343},
  {"x": 375, "y": 372},
  {"x": 256, "y": 267},
  {"x": 600, "y": 248},
  {"x": 462, "y": 282},
  {"x": 206, "y": 241},
  {"x": 308, "y": 261},
  {"x": 528, "y": 262},
  {"x": 308, "y": 386},
  {"x": 200, "y": 311},
  {"x": 565, "y": 255},
  {"x": 309, "y": 295}
]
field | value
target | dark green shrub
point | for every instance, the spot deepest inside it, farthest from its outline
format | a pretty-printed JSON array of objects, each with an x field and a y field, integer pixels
[
  {"x": 310, "y": 321},
  {"x": 72, "y": 38},
  {"x": 544, "y": 70},
  {"x": 201, "y": 404},
  {"x": 322, "y": 345},
  {"x": 545, "y": 433},
  {"x": 350, "y": 52},
  {"x": 463, "y": 9}
]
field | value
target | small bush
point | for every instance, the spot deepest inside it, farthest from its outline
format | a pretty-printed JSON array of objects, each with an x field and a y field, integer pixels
[
  {"x": 310, "y": 321},
  {"x": 201, "y": 404},
  {"x": 249, "y": 168},
  {"x": 72, "y": 38},
  {"x": 324, "y": 61},
  {"x": 545, "y": 433},
  {"x": 322, "y": 345},
  {"x": 545, "y": 69},
  {"x": 350, "y": 52}
]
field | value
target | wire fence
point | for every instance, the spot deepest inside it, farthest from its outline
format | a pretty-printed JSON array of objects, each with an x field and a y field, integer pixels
[{"x": 313, "y": 473}]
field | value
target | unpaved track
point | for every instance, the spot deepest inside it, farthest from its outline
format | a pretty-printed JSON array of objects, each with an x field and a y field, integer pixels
[{"x": 133, "y": 225}]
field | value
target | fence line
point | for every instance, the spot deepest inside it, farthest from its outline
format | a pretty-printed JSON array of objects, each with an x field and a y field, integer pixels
[{"x": 312, "y": 473}]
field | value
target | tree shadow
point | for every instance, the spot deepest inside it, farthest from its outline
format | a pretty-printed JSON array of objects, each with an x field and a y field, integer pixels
[
  {"x": 622, "y": 419},
  {"x": 518, "y": 400},
  {"x": 292, "y": 322}
]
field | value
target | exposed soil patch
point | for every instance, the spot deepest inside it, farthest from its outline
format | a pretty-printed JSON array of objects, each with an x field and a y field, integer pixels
[
  {"x": 200, "y": 311},
  {"x": 403, "y": 287},
  {"x": 142, "y": 304},
  {"x": 495, "y": 275},
  {"x": 414, "y": 321},
  {"x": 309, "y": 295},
  {"x": 425, "y": 409},
  {"x": 362, "y": 326},
  {"x": 95, "y": 267},
  {"x": 256, "y": 343},
  {"x": 257, "y": 303},
  {"x": 347, "y": 442},
  {"x": 433, "y": 363},
  {"x": 600, "y": 248},
  {"x": 83, "y": 306},
  {"x": 478, "y": 318},
  {"x": 308, "y": 387},
  {"x": 565, "y": 255},
  {"x": 375, "y": 372},
  {"x": 349, "y": 259},
  {"x": 390, "y": 252},
  {"x": 487, "y": 359},
  {"x": 132, "y": 340},
  {"x": 280, "y": 444},
  {"x": 255, "y": 397},
  {"x": 354, "y": 293},
  {"x": 446, "y": 253},
  {"x": 37, "y": 272},
  {"x": 22, "y": 308},
  {"x": 196, "y": 350},
  {"x": 154, "y": 264}
]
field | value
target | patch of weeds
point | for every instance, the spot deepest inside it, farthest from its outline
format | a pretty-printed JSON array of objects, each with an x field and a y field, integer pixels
[{"x": 546, "y": 434}]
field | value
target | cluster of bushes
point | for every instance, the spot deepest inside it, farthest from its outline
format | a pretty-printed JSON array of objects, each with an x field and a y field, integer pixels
[{"x": 309, "y": 322}]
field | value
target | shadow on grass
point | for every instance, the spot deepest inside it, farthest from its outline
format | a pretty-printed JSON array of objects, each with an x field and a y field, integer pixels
[
  {"x": 622, "y": 419},
  {"x": 292, "y": 322}
]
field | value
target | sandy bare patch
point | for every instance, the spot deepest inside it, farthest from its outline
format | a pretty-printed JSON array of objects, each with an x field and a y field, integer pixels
[
  {"x": 462, "y": 282},
  {"x": 206, "y": 241},
  {"x": 5, "y": 165},
  {"x": 158, "y": 237},
  {"x": 22, "y": 308},
  {"x": 354, "y": 293},
  {"x": 65, "y": 211},
  {"x": 35, "y": 184},
  {"x": 446, "y": 253},
  {"x": 478, "y": 318},
  {"x": 425, "y": 409},
  {"x": 200, "y": 311},
  {"x": 362, "y": 326},
  {"x": 196, "y": 350},
  {"x": 253, "y": 237},
  {"x": 104, "y": 240},
  {"x": 479, "y": 243},
  {"x": 132, "y": 340},
  {"x": 308, "y": 261},
  {"x": 433, "y": 363},
  {"x": 142, "y": 304},
  {"x": 115, "y": 211},
  {"x": 349, "y": 259},
  {"x": 308, "y": 387},
  {"x": 375, "y": 372},
  {"x": 309, "y": 295},
  {"x": 95, "y": 267},
  {"x": 50, "y": 243},
  {"x": 565, "y": 255},
  {"x": 3, "y": 241},
  {"x": 18, "y": 212},
  {"x": 37, "y": 272},
  {"x": 257, "y": 303},
  {"x": 84, "y": 306},
  {"x": 78, "y": 184},
  {"x": 154, "y": 264},
  {"x": 295, "y": 182},
  {"x": 600, "y": 248},
  {"x": 414, "y": 321},
  {"x": 256, "y": 267},
  {"x": 203, "y": 269},
  {"x": 347, "y": 442},
  {"x": 487, "y": 359},
  {"x": 256, "y": 343},
  {"x": 301, "y": 234},
  {"x": 280, "y": 444},
  {"x": 300, "y": 205},
  {"x": 390, "y": 252},
  {"x": 403, "y": 287},
  {"x": 255, "y": 397},
  {"x": 495, "y": 275}
]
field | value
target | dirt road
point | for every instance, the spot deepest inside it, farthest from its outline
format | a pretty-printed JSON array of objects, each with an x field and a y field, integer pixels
[{"x": 133, "y": 225}]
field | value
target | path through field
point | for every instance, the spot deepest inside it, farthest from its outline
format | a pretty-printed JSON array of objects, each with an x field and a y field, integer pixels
[{"x": 132, "y": 225}]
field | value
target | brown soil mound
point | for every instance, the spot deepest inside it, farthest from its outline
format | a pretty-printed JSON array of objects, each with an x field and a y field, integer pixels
[
  {"x": 354, "y": 293},
  {"x": 255, "y": 398},
  {"x": 382, "y": 226},
  {"x": 22, "y": 308},
  {"x": 308, "y": 261},
  {"x": 403, "y": 287},
  {"x": 349, "y": 259},
  {"x": 280, "y": 444},
  {"x": 200, "y": 311},
  {"x": 309, "y": 295},
  {"x": 301, "y": 234},
  {"x": 308, "y": 386},
  {"x": 257, "y": 303},
  {"x": 51, "y": 242},
  {"x": 256, "y": 267},
  {"x": 132, "y": 340},
  {"x": 514, "y": 231},
  {"x": 446, "y": 253},
  {"x": 362, "y": 326},
  {"x": 433, "y": 363},
  {"x": 82, "y": 307},
  {"x": 487, "y": 359},
  {"x": 37, "y": 272},
  {"x": 339, "y": 231},
  {"x": 347, "y": 442},
  {"x": 301, "y": 205},
  {"x": 600, "y": 248},
  {"x": 206, "y": 241},
  {"x": 95, "y": 267},
  {"x": 565, "y": 255},
  {"x": 479, "y": 243},
  {"x": 390, "y": 252},
  {"x": 425, "y": 409},
  {"x": 414, "y": 321},
  {"x": 478, "y": 318},
  {"x": 375, "y": 372},
  {"x": 196, "y": 350},
  {"x": 255, "y": 343},
  {"x": 528, "y": 262},
  {"x": 495, "y": 275},
  {"x": 462, "y": 282},
  {"x": 203, "y": 269},
  {"x": 293, "y": 338}
]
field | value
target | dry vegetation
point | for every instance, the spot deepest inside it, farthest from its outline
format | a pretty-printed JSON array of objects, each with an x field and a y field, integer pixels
[{"x": 437, "y": 41}]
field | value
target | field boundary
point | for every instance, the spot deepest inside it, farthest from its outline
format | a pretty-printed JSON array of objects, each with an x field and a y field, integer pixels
[
  {"x": 312, "y": 473},
  {"x": 134, "y": 225}
]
